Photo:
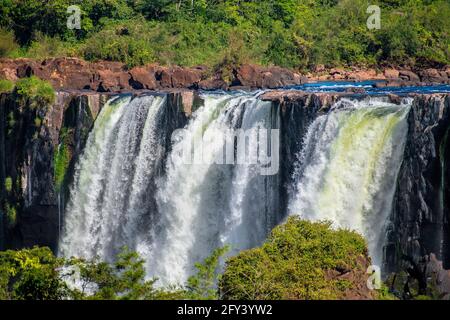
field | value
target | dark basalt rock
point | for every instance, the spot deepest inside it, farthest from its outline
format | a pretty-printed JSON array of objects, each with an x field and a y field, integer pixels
[
  {"x": 27, "y": 158},
  {"x": 419, "y": 223},
  {"x": 297, "y": 110}
]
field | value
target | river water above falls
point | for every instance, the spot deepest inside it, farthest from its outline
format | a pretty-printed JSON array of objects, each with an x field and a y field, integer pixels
[{"x": 128, "y": 190}]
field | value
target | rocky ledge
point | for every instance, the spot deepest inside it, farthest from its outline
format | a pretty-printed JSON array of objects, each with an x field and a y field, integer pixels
[{"x": 104, "y": 76}]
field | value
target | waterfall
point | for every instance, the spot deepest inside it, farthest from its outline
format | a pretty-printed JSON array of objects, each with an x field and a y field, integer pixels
[
  {"x": 179, "y": 217},
  {"x": 108, "y": 206},
  {"x": 348, "y": 167},
  {"x": 219, "y": 185},
  {"x": 207, "y": 204}
]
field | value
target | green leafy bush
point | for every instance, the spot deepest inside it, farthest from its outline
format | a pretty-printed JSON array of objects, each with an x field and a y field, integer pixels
[
  {"x": 31, "y": 274},
  {"x": 6, "y": 86},
  {"x": 294, "y": 263},
  {"x": 126, "y": 42},
  {"x": 8, "y": 43},
  {"x": 43, "y": 46},
  {"x": 202, "y": 286},
  {"x": 38, "y": 92}
]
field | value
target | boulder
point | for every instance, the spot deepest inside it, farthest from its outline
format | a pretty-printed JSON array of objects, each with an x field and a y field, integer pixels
[
  {"x": 364, "y": 75},
  {"x": 391, "y": 73},
  {"x": 110, "y": 81},
  {"x": 212, "y": 84},
  {"x": 253, "y": 76},
  {"x": 356, "y": 90},
  {"x": 408, "y": 75},
  {"x": 433, "y": 75},
  {"x": 319, "y": 68},
  {"x": 66, "y": 73},
  {"x": 393, "y": 98},
  {"x": 185, "y": 78},
  {"x": 249, "y": 76},
  {"x": 143, "y": 78}
]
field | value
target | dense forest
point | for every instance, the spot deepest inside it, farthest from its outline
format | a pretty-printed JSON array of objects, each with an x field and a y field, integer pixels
[{"x": 298, "y": 34}]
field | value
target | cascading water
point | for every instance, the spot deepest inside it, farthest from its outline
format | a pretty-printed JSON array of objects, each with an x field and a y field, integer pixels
[
  {"x": 209, "y": 203},
  {"x": 176, "y": 209},
  {"x": 197, "y": 207},
  {"x": 348, "y": 167},
  {"x": 109, "y": 208}
]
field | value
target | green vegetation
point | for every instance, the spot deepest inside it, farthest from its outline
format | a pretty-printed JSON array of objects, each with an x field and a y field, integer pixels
[
  {"x": 6, "y": 86},
  {"x": 8, "y": 184},
  {"x": 8, "y": 45},
  {"x": 36, "y": 274},
  {"x": 61, "y": 163},
  {"x": 295, "y": 263},
  {"x": 30, "y": 274},
  {"x": 202, "y": 286},
  {"x": 300, "y": 260},
  {"x": 291, "y": 33},
  {"x": 11, "y": 215},
  {"x": 37, "y": 122},
  {"x": 11, "y": 121},
  {"x": 38, "y": 92}
]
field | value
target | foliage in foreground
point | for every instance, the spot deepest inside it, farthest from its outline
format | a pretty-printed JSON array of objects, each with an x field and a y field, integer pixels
[
  {"x": 290, "y": 33},
  {"x": 36, "y": 274},
  {"x": 294, "y": 264}
]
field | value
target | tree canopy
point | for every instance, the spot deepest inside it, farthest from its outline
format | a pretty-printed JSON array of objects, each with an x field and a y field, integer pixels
[{"x": 290, "y": 33}]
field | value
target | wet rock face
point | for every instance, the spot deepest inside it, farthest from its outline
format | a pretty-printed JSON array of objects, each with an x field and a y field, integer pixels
[
  {"x": 297, "y": 110},
  {"x": 419, "y": 223},
  {"x": 30, "y": 140}
]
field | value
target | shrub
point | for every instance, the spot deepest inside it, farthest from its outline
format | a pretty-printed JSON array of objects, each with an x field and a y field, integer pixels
[
  {"x": 296, "y": 263},
  {"x": 6, "y": 86},
  {"x": 44, "y": 46},
  {"x": 202, "y": 286},
  {"x": 38, "y": 92},
  {"x": 125, "y": 41},
  {"x": 8, "y": 43},
  {"x": 8, "y": 184},
  {"x": 31, "y": 274}
]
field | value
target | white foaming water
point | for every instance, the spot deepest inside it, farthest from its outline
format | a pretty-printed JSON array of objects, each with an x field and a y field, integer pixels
[
  {"x": 348, "y": 168},
  {"x": 205, "y": 206},
  {"x": 176, "y": 219},
  {"x": 114, "y": 172}
]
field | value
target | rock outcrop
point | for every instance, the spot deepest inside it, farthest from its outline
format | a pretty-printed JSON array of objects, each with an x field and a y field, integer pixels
[
  {"x": 105, "y": 76},
  {"x": 30, "y": 140}
]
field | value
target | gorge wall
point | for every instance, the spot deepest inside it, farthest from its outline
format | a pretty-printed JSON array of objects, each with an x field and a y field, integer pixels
[
  {"x": 39, "y": 149},
  {"x": 419, "y": 223}
]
